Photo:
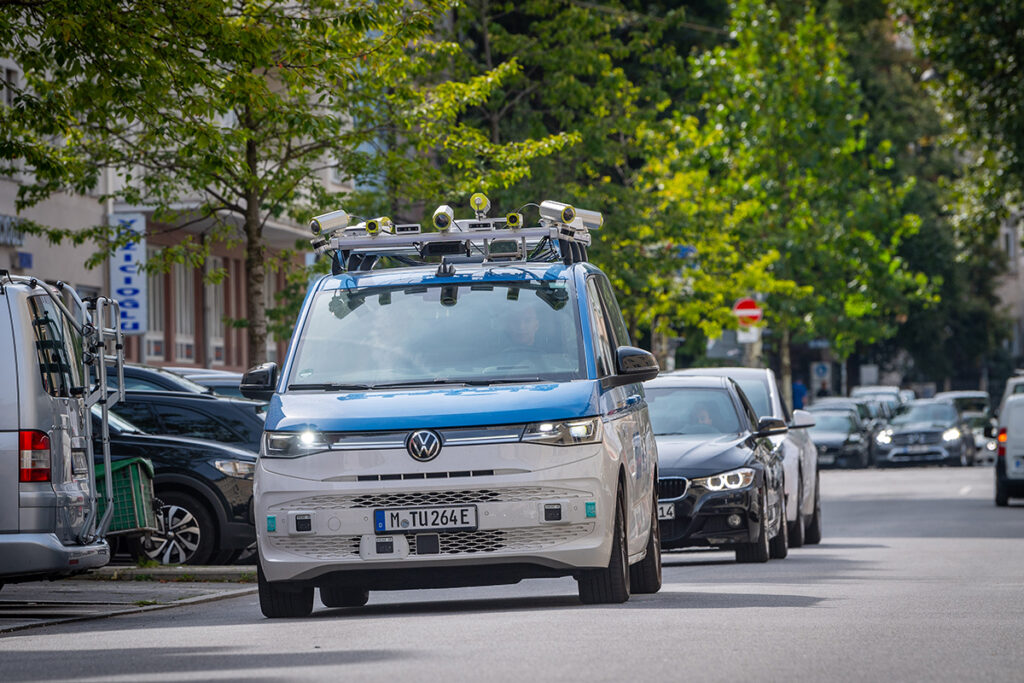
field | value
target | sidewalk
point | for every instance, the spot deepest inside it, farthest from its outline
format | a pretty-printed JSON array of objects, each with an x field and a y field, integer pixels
[{"x": 111, "y": 591}]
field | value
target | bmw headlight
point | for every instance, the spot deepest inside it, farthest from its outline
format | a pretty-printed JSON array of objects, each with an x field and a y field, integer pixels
[
  {"x": 235, "y": 468},
  {"x": 884, "y": 437},
  {"x": 293, "y": 444},
  {"x": 564, "y": 433},
  {"x": 951, "y": 434},
  {"x": 731, "y": 480}
]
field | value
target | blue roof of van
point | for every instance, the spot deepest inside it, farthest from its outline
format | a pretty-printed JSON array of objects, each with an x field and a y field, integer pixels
[{"x": 464, "y": 273}]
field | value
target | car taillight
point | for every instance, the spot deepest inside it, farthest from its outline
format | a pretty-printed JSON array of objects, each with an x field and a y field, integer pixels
[
  {"x": 1001, "y": 439},
  {"x": 34, "y": 456}
]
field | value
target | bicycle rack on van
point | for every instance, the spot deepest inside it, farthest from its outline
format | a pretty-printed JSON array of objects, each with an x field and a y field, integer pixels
[{"x": 103, "y": 343}]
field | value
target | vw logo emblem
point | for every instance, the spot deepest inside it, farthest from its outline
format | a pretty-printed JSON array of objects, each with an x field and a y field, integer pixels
[{"x": 423, "y": 445}]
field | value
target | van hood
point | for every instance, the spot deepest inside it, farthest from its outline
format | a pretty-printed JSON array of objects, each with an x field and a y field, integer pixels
[{"x": 433, "y": 407}]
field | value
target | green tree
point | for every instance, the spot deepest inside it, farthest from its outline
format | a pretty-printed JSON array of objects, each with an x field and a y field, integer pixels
[
  {"x": 794, "y": 148},
  {"x": 236, "y": 107}
]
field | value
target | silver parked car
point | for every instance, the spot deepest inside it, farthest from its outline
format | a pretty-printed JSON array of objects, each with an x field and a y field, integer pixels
[{"x": 52, "y": 370}]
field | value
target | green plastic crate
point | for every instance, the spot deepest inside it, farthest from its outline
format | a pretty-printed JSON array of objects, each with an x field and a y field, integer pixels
[{"x": 133, "y": 495}]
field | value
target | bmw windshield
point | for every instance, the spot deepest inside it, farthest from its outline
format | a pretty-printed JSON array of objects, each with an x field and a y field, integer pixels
[{"x": 479, "y": 333}]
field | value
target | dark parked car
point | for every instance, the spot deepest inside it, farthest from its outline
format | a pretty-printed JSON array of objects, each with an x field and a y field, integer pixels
[
  {"x": 839, "y": 439},
  {"x": 720, "y": 480},
  {"x": 148, "y": 378},
  {"x": 220, "y": 383},
  {"x": 926, "y": 431},
  {"x": 205, "y": 489},
  {"x": 235, "y": 421}
]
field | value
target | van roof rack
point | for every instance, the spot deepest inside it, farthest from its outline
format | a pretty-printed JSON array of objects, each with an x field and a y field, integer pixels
[{"x": 562, "y": 232}]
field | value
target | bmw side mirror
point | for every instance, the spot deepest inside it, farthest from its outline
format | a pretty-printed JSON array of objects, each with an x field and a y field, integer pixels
[
  {"x": 635, "y": 365},
  {"x": 259, "y": 382},
  {"x": 770, "y": 426}
]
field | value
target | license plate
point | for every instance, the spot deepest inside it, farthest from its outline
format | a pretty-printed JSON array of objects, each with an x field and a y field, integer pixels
[
  {"x": 666, "y": 511},
  {"x": 1017, "y": 466},
  {"x": 444, "y": 518},
  {"x": 827, "y": 459},
  {"x": 918, "y": 449}
]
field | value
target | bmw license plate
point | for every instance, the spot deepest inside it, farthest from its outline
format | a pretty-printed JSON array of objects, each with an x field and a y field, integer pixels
[
  {"x": 438, "y": 518},
  {"x": 666, "y": 510}
]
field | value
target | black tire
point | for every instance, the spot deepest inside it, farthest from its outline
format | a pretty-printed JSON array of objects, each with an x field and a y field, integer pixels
[
  {"x": 796, "y": 527},
  {"x": 778, "y": 547},
  {"x": 1002, "y": 495},
  {"x": 611, "y": 584},
  {"x": 283, "y": 601},
  {"x": 759, "y": 550},
  {"x": 186, "y": 532},
  {"x": 645, "y": 575},
  {"x": 812, "y": 535},
  {"x": 336, "y": 596}
]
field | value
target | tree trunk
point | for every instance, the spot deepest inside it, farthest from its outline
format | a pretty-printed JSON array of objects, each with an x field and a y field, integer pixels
[
  {"x": 255, "y": 269},
  {"x": 660, "y": 346},
  {"x": 786, "y": 368}
]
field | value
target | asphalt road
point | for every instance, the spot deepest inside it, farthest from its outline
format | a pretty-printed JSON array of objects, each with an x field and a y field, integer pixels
[{"x": 920, "y": 578}]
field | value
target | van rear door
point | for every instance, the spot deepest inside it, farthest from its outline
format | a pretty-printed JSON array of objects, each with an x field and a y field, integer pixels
[{"x": 8, "y": 422}]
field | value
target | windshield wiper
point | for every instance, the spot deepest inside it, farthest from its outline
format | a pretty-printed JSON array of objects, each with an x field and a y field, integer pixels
[
  {"x": 508, "y": 380},
  {"x": 417, "y": 383},
  {"x": 329, "y": 386}
]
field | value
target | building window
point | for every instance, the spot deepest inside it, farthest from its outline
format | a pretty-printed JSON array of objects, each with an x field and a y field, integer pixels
[
  {"x": 215, "y": 315},
  {"x": 10, "y": 85},
  {"x": 154, "y": 337},
  {"x": 184, "y": 313}
]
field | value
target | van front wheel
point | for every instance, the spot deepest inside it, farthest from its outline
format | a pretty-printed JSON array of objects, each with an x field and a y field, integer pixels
[{"x": 283, "y": 601}]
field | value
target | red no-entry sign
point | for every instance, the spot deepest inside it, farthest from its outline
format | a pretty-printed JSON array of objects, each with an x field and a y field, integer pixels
[{"x": 747, "y": 311}]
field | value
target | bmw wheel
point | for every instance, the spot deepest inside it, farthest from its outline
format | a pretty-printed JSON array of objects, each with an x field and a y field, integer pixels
[
  {"x": 759, "y": 550},
  {"x": 185, "y": 532}
]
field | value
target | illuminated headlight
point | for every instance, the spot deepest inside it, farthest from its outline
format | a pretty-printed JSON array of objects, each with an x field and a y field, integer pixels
[
  {"x": 293, "y": 444},
  {"x": 990, "y": 445},
  {"x": 884, "y": 436},
  {"x": 235, "y": 468},
  {"x": 951, "y": 434},
  {"x": 731, "y": 480},
  {"x": 567, "y": 433}
]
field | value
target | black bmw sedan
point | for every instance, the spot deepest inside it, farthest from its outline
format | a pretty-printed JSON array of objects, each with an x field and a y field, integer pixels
[
  {"x": 205, "y": 489},
  {"x": 720, "y": 482}
]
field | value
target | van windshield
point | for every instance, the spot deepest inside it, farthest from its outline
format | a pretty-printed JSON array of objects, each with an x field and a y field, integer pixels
[{"x": 432, "y": 334}]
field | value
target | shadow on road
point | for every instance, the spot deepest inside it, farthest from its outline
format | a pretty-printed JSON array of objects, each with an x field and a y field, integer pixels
[{"x": 24, "y": 666}]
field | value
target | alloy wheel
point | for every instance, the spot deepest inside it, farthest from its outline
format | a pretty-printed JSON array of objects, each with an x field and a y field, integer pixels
[{"x": 177, "y": 537}]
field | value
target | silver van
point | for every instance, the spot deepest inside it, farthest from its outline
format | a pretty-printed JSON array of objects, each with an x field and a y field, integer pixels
[{"x": 52, "y": 368}]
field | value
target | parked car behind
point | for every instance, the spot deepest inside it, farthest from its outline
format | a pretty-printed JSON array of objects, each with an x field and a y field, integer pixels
[
  {"x": 839, "y": 438},
  {"x": 233, "y": 421},
  {"x": 800, "y": 458},
  {"x": 206, "y": 491},
  {"x": 865, "y": 421},
  {"x": 149, "y": 378},
  {"x": 721, "y": 482},
  {"x": 220, "y": 383},
  {"x": 1010, "y": 453},
  {"x": 927, "y": 431}
]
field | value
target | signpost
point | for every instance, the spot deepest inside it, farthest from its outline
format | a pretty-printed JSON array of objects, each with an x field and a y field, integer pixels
[{"x": 748, "y": 313}]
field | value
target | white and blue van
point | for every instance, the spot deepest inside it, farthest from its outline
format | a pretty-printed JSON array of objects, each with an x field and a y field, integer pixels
[{"x": 471, "y": 422}]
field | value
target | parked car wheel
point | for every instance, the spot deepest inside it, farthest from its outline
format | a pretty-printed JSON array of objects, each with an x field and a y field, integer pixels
[
  {"x": 1002, "y": 495},
  {"x": 759, "y": 550},
  {"x": 185, "y": 533},
  {"x": 610, "y": 584},
  {"x": 645, "y": 575},
  {"x": 336, "y": 596},
  {"x": 283, "y": 600},
  {"x": 778, "y": 547},
  {"x": 796, "y": 527},
  {"x": 812, "y": 536}
]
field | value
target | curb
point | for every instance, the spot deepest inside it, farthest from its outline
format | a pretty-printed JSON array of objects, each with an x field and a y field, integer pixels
[
  {"x": 135, "y": 610},
  {"x": 197, "y": 574}
]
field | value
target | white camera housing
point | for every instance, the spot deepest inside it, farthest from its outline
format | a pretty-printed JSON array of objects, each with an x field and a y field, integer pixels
[
  {"x": 556, "y": 212},
  {"x": 329, "y": 222},
  {"x": 591, "y": 220},
  {"x": 444, "y": 218}
]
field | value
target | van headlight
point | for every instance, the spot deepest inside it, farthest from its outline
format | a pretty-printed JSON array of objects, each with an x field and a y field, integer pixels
[
  {"x": 564, "y": 433},
  {"x": 235, "y": 468},
  {"x": 293, "y": 444},
  {"x": 731, "y": 480}
]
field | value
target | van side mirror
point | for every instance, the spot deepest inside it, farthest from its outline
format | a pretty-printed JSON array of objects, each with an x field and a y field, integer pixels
[
  {"x": 259, "y": 382},
  {"x": 635, "y": 365},
  {"x": 770, "y": 426}
]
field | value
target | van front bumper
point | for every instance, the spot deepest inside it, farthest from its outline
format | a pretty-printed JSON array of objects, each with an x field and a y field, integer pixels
[
  {"x": 28, "y": 557},
  {"x": 318, "y": 530}
]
